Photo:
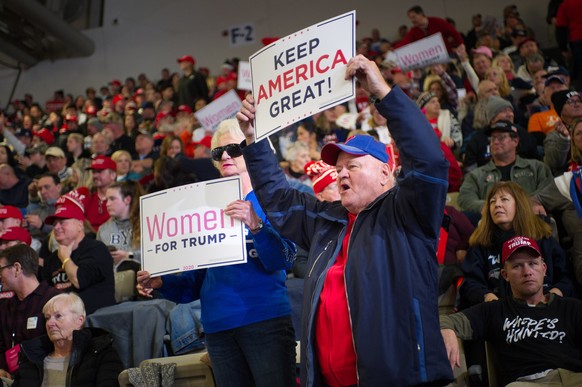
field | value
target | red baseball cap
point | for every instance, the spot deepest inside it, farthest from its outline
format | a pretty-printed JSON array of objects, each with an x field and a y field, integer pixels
[
  {"x": 115, "y": 82},
  {"x": 186, "y": 58},
  {"x": 185, "y": 109},
  {"x": 205, "y": 141},
  {"x": 16, "y": 234},
  {"x": 66, "y": 210},
  {"x": 100, "y": 163},
  {"x": 10, "y": 212},
  {"x": 516, "y": 243},
  {"x": 45, "y": 135}
]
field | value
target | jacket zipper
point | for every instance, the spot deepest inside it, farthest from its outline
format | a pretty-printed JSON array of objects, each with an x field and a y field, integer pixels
[
  {"x": 308, "y": 345},
  {"x": 319, "y": 256},
  {"x": 348, "y": 300}
]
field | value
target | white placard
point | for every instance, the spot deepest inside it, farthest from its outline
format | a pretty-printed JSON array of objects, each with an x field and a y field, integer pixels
[
  {"x": 241, "y": 35},
  {"x": 302, "y": 74},
  {"x": 221, "y": 109},
  {"x": 245, "y": 81},
  {"x": 422, "y": 53},
  {"x": 185, "y": 228}
]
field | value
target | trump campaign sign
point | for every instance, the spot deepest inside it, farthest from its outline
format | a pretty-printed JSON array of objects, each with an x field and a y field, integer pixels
[
  {"x": 302, "y": 74},
  {"x": 223, "y": 108},
  {"x": 424, "y": 52},
  {"x": 185, "y": 228}
]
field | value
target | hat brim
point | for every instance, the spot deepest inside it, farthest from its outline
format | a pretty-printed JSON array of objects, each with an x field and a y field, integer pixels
[{"x": 330, "y": 152}]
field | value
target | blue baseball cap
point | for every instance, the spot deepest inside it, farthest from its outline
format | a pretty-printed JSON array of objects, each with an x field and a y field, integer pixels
[{"x": 359, "y": 145}]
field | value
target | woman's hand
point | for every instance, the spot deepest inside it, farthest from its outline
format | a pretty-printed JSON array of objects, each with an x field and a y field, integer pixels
[
  {"x": 146, "y": 283},
  {"x": 243, "y": 210}
]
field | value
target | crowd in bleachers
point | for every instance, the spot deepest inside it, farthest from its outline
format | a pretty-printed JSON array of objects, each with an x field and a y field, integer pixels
[{"x": 504, "y": 110}]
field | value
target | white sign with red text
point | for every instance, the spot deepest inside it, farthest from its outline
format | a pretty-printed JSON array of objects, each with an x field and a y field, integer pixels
[
  {"x": 303, "y": 74},
  {"x": 218, "y": 110},
  {"x": 185, "y": 228},
  {"x": 245, "y": 81},
  {"x": 425, "y": 52}
]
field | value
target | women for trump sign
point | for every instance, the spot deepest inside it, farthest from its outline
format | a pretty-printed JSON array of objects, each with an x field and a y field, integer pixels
[
  {"x": 302, "y": 74},
  {"x": 185, "y": 228}
]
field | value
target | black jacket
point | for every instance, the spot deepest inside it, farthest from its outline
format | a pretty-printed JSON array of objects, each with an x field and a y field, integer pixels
[{"x": 93, "y": 360}]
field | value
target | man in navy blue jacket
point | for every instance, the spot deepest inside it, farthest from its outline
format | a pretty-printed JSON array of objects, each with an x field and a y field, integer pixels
[{"x": 370, "y": 315}]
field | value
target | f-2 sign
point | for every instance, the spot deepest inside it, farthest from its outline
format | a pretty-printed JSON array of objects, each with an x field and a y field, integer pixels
[{"x": 241, "y": 35}]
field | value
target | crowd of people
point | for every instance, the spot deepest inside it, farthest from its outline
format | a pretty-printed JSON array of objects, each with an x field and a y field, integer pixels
[{"x": 352, "y": 200}]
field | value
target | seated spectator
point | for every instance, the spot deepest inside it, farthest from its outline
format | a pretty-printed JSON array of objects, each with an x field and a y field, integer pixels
[
  {"x": 33, "y": 160},
  {"x": 119, "y": 140},
  {"x": 297, "y": 155},
  {"x": 56, "y": 162},
  {"x": 121, "y": 233},
  {"x": 69, "y": 354},
  {"x": 509, "y": 213},
  {"x": 10, "y": 217},
  {"x": 100, "y": 145},
  {"x": 324, "y": 180},
  {"x": 104, "y": 174},
  {"x": 123, "y": 161},
  {"x": 171, "y": 146},
  {"x": 532, "y": 64},
  {"x": 562, "y": 148},
  {"x": 444, "y": 125},
  {"x": 478, "y": 151},
  {"x": 43, "y": 194},
  {"x": 145, "y": 156},
  {"x": 13, "y": 189},
  {"x": 21, "y": 316},
  {"x": 307, "y": 134},
  {"x": 542, "y": 123},
  {"x": 534, "y": 334},
  {"x": 505, "y": 165},
  {"x": 79, "y": 264},
  {"x": 75, "y": 147},
  {"x": 561, "y": 198},
  {"x": 496, "y": 75},
  {"x": 14, "y": 236}
]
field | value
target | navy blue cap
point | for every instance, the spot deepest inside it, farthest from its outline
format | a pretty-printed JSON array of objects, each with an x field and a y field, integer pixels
[{"x": 359, "y": 145}]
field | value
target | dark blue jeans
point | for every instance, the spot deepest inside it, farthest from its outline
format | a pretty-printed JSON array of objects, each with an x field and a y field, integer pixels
[{"x": 260, "y": 354}]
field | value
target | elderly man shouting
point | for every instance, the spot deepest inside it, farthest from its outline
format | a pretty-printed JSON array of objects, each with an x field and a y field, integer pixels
[{"x": 370, "y": 298}]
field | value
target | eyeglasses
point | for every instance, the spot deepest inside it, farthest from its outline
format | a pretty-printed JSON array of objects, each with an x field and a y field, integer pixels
[
  {"x": 499, "y": 137},
  {"x": 233, "y": 151},
  {"x": 573, "y": 101},
  {"x": 5, "y": 267}
]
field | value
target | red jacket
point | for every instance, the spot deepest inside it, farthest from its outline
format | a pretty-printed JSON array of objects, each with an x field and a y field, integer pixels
[{"x": 451, "y": 36}]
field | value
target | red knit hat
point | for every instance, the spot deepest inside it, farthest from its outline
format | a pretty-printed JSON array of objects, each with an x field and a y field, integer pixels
[{"x": 321, "y": 175}]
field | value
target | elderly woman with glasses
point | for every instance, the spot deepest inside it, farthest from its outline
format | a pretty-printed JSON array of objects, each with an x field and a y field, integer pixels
[
  {"x": 245, "y": 308},
  {"x": 69, "y": 355}
]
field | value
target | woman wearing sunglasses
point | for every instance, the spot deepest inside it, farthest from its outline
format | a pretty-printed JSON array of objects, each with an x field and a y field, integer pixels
[{"x": 245, "y": 308}]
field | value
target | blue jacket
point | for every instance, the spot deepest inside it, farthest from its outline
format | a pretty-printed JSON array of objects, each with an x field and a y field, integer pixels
[
  {"x": 238, "y": 295},
  {"x": 391, "y": 271}
]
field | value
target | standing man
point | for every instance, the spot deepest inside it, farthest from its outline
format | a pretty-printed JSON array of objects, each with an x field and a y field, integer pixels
[
  {"x": 371, "y": 290},
  {"x": 423, "y": 26},
  {"x": 192, "y": 85}
]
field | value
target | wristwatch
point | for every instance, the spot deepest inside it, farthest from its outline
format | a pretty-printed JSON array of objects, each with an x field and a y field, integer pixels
[{"x": 259, "y": 226}]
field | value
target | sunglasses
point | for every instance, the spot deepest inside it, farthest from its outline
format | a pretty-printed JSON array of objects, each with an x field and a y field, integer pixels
[{"x": 233, "y": 150}]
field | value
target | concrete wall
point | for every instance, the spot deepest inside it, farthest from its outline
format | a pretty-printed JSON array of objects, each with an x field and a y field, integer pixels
[{"x": 147, "y": 35}]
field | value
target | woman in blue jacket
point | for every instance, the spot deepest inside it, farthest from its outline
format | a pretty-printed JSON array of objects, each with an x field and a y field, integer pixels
[{"x": 245, "y": 308}]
